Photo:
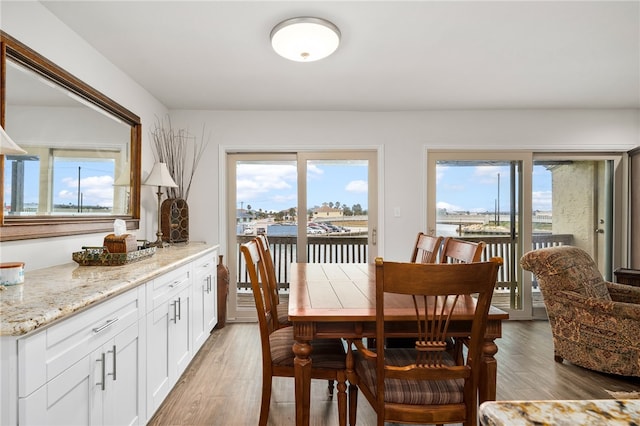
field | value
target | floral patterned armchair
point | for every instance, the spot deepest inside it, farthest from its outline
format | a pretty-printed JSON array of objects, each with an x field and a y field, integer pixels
[{"x": 595, "y": 323}]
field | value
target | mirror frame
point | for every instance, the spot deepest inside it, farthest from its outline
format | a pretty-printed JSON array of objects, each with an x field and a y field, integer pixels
[{"x": 32, "y": 227}]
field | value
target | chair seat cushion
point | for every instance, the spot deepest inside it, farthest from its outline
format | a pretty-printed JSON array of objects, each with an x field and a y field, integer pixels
[
  {"x": 413, "y": 392},
  {"x": 283, "y": 314},
  {"x": 326, "y": 353}
]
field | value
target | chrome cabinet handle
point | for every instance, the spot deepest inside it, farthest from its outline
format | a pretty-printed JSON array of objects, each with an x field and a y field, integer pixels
[
  {"x": 102, "y": 360},
  {"x": 113, "y": 374},
  {"x": 175, "y": 312},
  {"x": 179, "y": 309},
  {"x": 105, "y": 325}
]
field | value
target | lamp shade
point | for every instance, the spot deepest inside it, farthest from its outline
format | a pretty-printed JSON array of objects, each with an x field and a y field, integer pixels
[
  {"x": 8, "y": 146},
  {"x": 305, "y": 39},
  {"x": 160, "y": 176}
]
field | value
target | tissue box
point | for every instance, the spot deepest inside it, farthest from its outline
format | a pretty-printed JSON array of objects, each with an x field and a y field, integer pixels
[{"x": 120, "y": 243}]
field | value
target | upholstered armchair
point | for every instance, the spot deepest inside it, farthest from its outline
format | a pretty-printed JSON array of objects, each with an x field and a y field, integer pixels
[{"x": 595, "y": 323}]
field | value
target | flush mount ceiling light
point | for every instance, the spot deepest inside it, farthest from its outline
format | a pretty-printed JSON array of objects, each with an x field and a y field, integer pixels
[{"x": 305, "y": 39}]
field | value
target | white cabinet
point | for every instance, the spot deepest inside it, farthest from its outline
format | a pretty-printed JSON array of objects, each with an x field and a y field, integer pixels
[
  {"x": 168, "y": 333},
  {"x": 90, "y": 372},
  {"x": 204, "y": 309},
  {"x": 116, "y": 361}
]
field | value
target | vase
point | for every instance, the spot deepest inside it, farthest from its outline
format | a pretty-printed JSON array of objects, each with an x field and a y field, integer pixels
[
  {"x": 223, "y": 292},
  {"x": 174, "y": 220}
]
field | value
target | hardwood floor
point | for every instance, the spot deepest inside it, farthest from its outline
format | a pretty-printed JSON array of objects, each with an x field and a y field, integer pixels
[{"x": 223, "y": 383}]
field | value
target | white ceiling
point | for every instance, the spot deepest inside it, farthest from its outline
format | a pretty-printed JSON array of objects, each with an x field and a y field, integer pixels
[{"x": 394, "y": 56}]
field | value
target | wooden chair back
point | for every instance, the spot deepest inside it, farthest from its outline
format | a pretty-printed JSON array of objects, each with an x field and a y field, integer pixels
[
  {"x": 265, "y": 250},
  {"x": 461, "y": 251},
  {"x": 261, "y": 293},
  {"x": 425, "y": 384},
  {"x": 426, "y": 248},
  {"x": 281, "y": 319}
]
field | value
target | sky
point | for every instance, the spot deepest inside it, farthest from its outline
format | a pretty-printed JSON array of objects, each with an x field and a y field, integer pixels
[
  {"x": 273, "y": 186},
  {"x": 96, "y": 182},
  {"x": 459, "y": 188},
  {"x": 475, "y": 188}
]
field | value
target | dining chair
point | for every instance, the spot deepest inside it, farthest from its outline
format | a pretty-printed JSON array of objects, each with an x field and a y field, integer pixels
[
  {"x": 282, "y": 310},
  {"x": 426, "y": 248},
  {"x": 277, "y": 354},
  {"x": 425, "y": 384},
  {"x": 461, "y": 251}
]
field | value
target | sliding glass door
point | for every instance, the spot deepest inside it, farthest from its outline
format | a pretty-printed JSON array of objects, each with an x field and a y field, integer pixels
[
  {"x": 519, "y": 201},
  {"x": 479, "y": 198},
  {"x": 312, "y": 206}
]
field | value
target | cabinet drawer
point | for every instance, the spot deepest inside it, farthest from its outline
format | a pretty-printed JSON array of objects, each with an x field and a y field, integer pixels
[
  {"x": 163, "y": 288},
  {"x": 53, "y": 350},
  {"x": 204, "y": 265}
]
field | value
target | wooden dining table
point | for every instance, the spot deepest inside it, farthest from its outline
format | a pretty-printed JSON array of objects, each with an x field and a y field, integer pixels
[{"x": 337, "y": 300}]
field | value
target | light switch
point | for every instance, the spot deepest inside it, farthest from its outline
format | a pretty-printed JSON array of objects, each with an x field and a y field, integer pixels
[{"x": 396, "y": 211}]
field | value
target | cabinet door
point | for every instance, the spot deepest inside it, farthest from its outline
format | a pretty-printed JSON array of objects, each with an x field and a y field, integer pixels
[
  {"x": 204, "y": 307},
  {"x": 158, "y": 380},
  {"x": 168, "y": 347},
  {"x": 124, "y": 379},
  {"x": 63, "y": 401},
  {"x": 211, "y": 303},
  {"x": 180, "y": 334},
  {"x": 200, "y": 283}
]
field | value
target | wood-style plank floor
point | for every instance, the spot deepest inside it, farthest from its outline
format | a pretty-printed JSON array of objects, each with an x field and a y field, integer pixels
[{"x": 223, "y": 383}]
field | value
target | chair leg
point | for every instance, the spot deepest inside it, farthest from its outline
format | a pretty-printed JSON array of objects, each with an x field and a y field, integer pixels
[
  {"x": 342, "y": 399},
  {"x": 353, "y": 404},
  {"x": 330, "y": 388},
  {"x": 266, "y": 400}
]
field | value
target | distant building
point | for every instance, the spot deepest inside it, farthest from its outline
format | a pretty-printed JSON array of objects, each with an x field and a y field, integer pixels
[
  {"x": 325, "y": 211},
  {"x": 244, "y": 216}
]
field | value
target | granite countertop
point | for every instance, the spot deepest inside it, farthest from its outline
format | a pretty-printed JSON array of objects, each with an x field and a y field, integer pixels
[
  {"x": 50, "y": 294},
  {"x": 610, "y": 412}
]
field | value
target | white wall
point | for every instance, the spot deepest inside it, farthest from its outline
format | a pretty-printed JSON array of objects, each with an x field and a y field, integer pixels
[
  {"x": 403, "y": 138},
  {"x": 33, "y": 25}
]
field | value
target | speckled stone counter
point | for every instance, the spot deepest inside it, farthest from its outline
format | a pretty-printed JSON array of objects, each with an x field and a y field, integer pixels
[
  {"x": 51, "y": 294},
  {"x": 610, "y": 412}
]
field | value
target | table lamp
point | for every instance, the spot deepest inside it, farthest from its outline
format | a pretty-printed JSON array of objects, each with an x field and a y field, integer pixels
[{"x": 159, "y": 177}]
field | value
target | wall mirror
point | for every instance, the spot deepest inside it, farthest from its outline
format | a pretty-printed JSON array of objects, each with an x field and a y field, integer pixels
[{"x": 82, "y": 166}]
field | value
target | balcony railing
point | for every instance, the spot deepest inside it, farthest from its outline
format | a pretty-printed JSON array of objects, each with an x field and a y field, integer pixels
[{"x": 354, "y": 249}]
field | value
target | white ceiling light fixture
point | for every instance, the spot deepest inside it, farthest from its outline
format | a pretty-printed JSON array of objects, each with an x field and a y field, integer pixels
[{"x": 305, "y": 39}]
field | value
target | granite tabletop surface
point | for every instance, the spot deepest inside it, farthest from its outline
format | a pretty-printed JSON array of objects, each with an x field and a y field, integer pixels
[
  {"x": 50, "y": 294},
  {"x": 610, "y": 412}
]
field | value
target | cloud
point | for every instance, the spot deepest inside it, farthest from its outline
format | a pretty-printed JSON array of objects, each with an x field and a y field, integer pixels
[
  {"x": 360, "y": 186},
  {"x": 443, "y": 205},
  {"x": 95, "y": 190},
  {"x": 256, "y": 181},
  {"x": 489, "y": 174},
  {"x": 541, "y": 200}
]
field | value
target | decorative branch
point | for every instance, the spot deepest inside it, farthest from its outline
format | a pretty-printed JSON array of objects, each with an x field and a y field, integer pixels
[{"x": 181, "y": 152}]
